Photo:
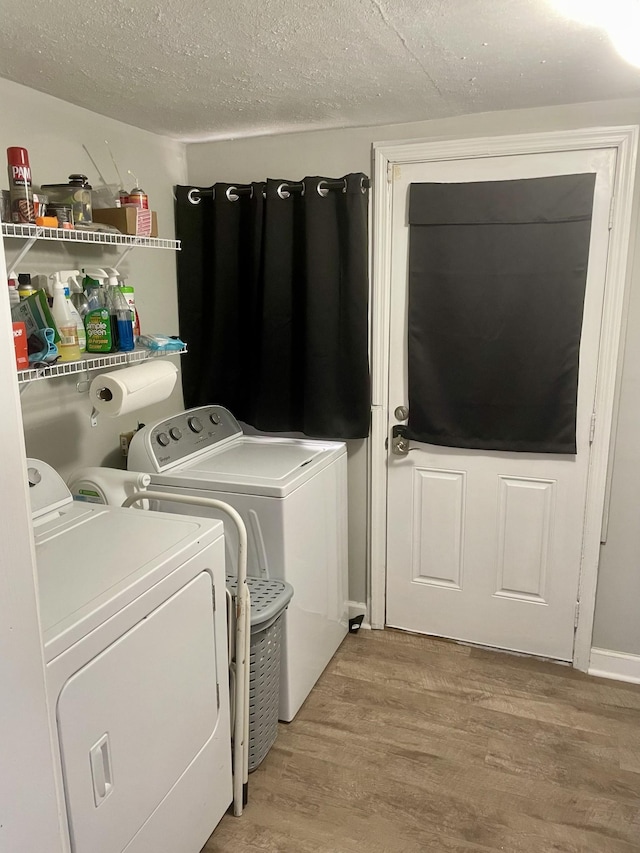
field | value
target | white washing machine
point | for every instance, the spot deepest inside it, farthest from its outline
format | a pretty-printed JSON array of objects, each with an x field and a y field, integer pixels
[
  {"x": 133, "y": 614},
  {"x": 292, "y": 496}
]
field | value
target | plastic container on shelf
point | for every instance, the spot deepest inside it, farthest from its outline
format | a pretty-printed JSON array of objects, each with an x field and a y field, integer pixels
[{"x": 76, "y": 194}]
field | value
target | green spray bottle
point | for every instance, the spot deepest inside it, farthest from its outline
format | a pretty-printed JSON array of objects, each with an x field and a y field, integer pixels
[{"x": 97, "y": 321}]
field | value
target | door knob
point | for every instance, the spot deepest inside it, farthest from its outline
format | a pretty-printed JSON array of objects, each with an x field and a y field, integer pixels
[{"x": 401, "y": 413}]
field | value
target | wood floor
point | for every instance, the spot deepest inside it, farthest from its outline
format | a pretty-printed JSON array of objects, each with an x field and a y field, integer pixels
[{"x": 411, "y": 744}]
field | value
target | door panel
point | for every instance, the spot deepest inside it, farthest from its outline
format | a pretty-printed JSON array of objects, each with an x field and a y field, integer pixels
[{"x": 485, "y": 546}]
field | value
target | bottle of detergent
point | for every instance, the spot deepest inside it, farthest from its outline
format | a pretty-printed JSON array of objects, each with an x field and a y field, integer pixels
[
  {"x": 65, "y": 277},
  {"x": 68, "y": 344}
]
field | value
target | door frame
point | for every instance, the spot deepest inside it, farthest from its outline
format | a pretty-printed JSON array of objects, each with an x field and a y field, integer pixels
[{"x": 386, "y": 156}]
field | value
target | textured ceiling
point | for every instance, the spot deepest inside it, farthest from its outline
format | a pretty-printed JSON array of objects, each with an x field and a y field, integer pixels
[{"x": 224, "y": 68}]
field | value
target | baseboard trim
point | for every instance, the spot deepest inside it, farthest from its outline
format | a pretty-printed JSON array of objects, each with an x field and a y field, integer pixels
[{"x": 617, "y": 665}]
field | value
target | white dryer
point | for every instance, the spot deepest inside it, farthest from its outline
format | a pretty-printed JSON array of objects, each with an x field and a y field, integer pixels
[
  {"x": 133, "y": 616},
  {"x": 292, "y": 496}
]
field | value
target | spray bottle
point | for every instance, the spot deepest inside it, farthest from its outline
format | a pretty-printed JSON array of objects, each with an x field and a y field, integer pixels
[
  {"x": 68, "y": 344},
  {"x": 129, "y": 295},
  {"x": 78, "y": 296},
  {"x": 119, "y": 307},
  {"x": 65, "y": 277},
  {"x": 97, "y": 321}
]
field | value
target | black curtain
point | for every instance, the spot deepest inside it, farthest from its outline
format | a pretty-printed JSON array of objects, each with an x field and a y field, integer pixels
[
  {"x": 497, "y": 274},
  {"x": 273, "y": 304}
]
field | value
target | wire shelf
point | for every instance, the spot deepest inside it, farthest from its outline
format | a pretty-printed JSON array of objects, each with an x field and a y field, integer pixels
[
  {"x": 66, "y": 235},
  {"x": 91, "y": 362}
]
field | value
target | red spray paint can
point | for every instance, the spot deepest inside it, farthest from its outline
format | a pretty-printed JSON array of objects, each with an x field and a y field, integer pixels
[{"x": 22, "y": 209}]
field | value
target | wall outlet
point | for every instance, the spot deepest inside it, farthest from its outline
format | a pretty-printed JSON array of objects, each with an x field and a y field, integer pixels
[{"x": 125, "y": 441}]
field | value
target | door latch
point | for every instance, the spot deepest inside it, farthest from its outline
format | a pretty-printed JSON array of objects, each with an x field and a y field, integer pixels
[{"x": 400, "y": 440}]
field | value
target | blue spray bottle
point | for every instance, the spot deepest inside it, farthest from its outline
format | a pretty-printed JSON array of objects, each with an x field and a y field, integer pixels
[{"x": 119, "y": 307}]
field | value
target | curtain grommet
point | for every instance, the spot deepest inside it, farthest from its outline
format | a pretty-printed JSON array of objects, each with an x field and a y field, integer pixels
[
  {"x": 283, "y": 191},
  {"x": 231, "y": 194},
  {"x": 323, "y": 189},
  {"x": 363, "y": 189},
  {"x": 193, "y": 199}
]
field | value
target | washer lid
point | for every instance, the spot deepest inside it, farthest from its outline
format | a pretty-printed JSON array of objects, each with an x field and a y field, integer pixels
[{"x": 255, "y": 465}]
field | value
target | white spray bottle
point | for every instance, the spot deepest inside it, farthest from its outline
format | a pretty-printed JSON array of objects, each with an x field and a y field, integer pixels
[
  {"x": 65, "y": 322},
  {"x": 65, "y": 277}
]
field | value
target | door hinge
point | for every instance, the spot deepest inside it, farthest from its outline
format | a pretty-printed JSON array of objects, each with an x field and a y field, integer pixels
[
  {"x": 213, "y": 595},
  {"x": 576, "y": 615},
  {"x": 218, "y": 694},
  {"x": 592, "y": 427},
  {"x": 612, "y": 207},
  {"x": 389, "y": 172},
  {"x": 386, "y": 443}
]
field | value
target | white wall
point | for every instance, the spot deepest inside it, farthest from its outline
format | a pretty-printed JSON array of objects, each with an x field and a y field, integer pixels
[
  {"x": 336, "y": 152},
  {"x": 56, "y": 416}
]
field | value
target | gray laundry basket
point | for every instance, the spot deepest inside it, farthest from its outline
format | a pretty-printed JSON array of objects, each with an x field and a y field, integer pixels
[{"x": 269, "y": 600}]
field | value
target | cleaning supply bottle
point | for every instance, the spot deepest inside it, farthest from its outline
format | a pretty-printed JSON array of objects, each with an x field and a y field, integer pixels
[
  {"x": 25, "y": 288},
  {"x": 129, "y": 295},
  {"x": 119, "y": 308},
  {"x": 78, "y": 297},
  {"x": 100, "y": 327},
  {"x": 68, "y": 344},
  {"x": 14, "y": 296},
  {"x": 64, "y": 276}
]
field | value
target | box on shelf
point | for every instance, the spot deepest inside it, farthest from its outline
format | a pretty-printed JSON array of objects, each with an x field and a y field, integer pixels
[
  {"x": 35, "y": 313},
  {"x": 20, "y": 345},
  {"x": 129, "y": 220}
]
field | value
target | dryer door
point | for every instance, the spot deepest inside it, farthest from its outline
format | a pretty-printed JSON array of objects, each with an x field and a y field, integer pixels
[{"x": 132, "y": 721}]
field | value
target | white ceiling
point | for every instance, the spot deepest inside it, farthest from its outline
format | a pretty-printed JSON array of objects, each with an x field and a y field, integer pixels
[{"x": 224, "y": 68}]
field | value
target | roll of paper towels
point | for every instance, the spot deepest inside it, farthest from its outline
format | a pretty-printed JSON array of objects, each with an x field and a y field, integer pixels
[{"x": 122, "y": 391}]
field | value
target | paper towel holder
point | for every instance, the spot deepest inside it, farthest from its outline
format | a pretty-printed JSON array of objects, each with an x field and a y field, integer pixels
[{"x": 103, "y": 394}]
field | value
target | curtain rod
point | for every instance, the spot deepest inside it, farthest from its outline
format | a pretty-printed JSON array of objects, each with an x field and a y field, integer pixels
[{"x": 234, "y": 192}]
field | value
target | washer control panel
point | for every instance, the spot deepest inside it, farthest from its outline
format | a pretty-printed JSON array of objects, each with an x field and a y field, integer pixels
[{"x": 182, "y": 436}]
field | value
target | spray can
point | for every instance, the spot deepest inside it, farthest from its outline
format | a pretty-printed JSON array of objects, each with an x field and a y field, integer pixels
[
  {"x": 139, "y": 198},
  {"x": 22, "y": 209},
  {"x": 12, "y": 281},
  {"x": 25, "y": 287}
]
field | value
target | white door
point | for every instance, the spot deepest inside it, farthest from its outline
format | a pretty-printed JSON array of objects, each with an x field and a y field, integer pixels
[{"x": 485, "y": 546}]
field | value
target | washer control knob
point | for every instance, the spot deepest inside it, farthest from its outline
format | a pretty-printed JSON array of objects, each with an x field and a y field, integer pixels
[
  {"x": 175, "y": 433},
  {"x": 163, "y": 439},
  {"x": 195, "y": 424},
  {"x": 214, "y": 417}
]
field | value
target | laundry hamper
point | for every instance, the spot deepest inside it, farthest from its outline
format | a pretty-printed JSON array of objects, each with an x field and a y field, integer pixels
[{"x": 269, "y": 600}]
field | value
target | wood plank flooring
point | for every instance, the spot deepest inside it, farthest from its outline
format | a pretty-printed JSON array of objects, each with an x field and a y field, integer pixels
[{"x": 409, "y": 744}]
